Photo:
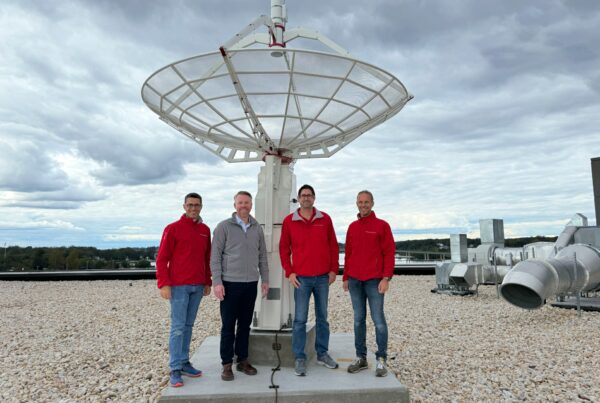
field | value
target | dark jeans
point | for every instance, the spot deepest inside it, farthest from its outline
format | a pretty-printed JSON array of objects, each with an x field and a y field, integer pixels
[
  {"x": 319, "y": 287},
  {"x": 360, "y": 293},
  {"x": 236, "y": 308}
]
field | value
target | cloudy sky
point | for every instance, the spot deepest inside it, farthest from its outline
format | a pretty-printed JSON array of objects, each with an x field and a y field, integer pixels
[{"x": 505, "y": 119}]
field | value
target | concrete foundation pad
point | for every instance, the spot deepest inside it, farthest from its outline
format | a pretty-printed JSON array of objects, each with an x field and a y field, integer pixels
[
  {"x": 260, "y": 349},
  {"x": 321, "y": 384}
]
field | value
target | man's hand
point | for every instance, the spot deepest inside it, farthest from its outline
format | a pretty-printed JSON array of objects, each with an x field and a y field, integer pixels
[
  {"x": 384, "y": 284},
  {"x": 206, "y": 292},
  {"x": 165, "y": 291},
  {"x": 264, "y": 288},
  {"x": 294, "y": 281},
  {"x": 345, "y": 285},
  {"x": 219, "y": 292},
  {"x": 332, "y": 276}
]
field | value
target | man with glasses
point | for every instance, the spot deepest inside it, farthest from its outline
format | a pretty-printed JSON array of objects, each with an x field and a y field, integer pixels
[
  {"x": 239, "y": 255},
  {"x": 368, "y": 269},
  {"x": 183, "y": 277},
  {"x": 310, "y": 257}
]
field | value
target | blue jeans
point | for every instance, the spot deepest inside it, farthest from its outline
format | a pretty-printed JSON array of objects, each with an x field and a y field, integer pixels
[
  {"x": 319, "y": 287},
  {"x": 185, "y": 300},
  {"x": 360, "y": 293}
]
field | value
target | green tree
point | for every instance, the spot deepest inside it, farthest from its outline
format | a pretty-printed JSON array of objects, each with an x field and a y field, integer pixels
[
  {"x": 40, "y": 259},
  {"x": 100, "y": 264},
  {"x": 142, "y": 264},
  {"x": 73, "y": 259},
  {"x": 56, "y": 259}
]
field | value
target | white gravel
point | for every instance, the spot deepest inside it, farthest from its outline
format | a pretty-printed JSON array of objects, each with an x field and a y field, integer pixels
[{"x": 107, "y": 341}]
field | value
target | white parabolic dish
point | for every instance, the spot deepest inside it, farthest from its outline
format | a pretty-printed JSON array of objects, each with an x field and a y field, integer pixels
[{"x": 309, "y": 104}]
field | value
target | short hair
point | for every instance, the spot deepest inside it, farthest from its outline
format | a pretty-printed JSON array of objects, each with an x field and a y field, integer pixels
[
  {"x": 306, "y": 187},
  {"x": 192, "y": 195},
  {"x": 366, "y": 192},
  {"x": 242, "y": 193}
]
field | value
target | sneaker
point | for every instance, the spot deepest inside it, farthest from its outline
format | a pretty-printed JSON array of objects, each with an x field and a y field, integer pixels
[
  {"x": 326, "y": 360},
  {"x": 381, "y": 368},
  {"x": 175, "y": 379},
  {"x": 189, "y": 370},
  {"x": 358, "y": 364},
  {"x": 300, "y": 367}
]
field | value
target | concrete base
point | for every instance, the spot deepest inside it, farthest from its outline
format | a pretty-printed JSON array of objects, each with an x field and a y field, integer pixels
[
  {"x": 321, "y": 384},
  {"x": 260, "y": 350}
]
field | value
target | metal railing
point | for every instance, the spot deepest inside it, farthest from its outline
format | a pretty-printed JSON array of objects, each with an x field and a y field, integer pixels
[{"x": 417, "y": 256}]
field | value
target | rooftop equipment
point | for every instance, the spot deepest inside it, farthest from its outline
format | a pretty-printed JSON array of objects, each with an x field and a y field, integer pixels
[
  {"x": 573, "y": 267},
  {"x": 488, "y": 263}
]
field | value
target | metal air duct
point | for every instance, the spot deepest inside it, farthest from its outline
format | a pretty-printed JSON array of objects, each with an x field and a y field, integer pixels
[{"x": 576, "y": 268}]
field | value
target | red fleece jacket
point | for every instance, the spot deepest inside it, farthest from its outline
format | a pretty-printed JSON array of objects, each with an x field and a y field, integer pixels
[
  {"x": 184, "y": 254},
  {"x": 370, "y": 249},
  {"x": 308, "y": 247}
]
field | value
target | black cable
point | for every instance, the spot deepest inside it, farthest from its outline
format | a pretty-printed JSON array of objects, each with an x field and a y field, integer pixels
[{"x": 276, "y": 347}]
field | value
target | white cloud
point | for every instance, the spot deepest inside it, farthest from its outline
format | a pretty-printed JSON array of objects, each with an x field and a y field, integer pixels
[
  {"x": 43, "y": 224},
  {"x": 132, "y": 237}
]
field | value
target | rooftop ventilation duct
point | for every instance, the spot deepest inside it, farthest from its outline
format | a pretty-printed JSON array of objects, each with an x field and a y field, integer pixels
[{"x": 576, "y": 268}]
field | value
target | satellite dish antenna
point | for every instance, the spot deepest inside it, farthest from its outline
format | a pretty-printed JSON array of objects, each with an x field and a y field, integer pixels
[{"x": 274, "y": 104}]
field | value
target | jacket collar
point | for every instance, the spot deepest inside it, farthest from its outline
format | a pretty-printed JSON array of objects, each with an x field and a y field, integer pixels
[
  {"x": 371, "y": 216},
  {"x": 188, "y": 220},
  {"x": 251, "y": 220},
  {"x": 297, "y": 217}
]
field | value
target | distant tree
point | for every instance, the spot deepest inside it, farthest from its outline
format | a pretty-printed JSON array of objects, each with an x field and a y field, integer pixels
[
  {"x": 40, "y": 259},
  {"x": 73, "y": 259},
  {"x": 100, "y": 264},
  {"x": 56, "y": 259},
  {"x": 142, "y": 264}
]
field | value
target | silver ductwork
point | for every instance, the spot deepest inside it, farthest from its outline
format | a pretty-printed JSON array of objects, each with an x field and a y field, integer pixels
[
  {"x": 473, "y": 273},
  {"x": 506, "y": 256},
  {"x": 566, "y": 237},
  {"x": 575, "y": 268},
  {"x": 529, "y": 275},
  {"x": 539, "y": 250}
]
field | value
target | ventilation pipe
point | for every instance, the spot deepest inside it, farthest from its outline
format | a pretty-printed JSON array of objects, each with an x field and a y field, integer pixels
[{"x": 575, "y": 268}]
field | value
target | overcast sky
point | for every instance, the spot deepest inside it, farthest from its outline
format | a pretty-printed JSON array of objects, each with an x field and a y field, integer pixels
[{"x": 504, "y": 120}]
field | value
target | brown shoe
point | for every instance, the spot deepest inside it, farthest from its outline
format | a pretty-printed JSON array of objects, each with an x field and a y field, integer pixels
[
  {"x": 227, "y": 374},
  {"x": 246, "y": 368}
]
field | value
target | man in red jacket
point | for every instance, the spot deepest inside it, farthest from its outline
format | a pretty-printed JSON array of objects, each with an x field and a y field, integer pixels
[
  {"x": 310, "y": 257},
  {"x": 368, "y": 269},
  {"x": 183, "y": 277}
]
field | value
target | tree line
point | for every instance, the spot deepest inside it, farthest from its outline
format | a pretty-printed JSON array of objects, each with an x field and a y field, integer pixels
[
  {"x": 90, "y": 258},
  {"x": 75, "y": 258}
]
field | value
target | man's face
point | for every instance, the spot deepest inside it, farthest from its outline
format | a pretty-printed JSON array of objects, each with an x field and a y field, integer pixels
[
  {"x": 192, "y": 207},
  {"x": 364, "y": 204},
  {"x": 307, "y": 199},
  {"x": 243, "y": 205}
]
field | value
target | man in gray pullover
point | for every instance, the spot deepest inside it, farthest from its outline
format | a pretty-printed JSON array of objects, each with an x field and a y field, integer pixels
[{"x": 238, "y": 255}]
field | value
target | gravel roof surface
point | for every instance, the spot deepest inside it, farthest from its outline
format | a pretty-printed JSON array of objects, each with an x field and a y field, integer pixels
[{"x": 108, "y": 340}]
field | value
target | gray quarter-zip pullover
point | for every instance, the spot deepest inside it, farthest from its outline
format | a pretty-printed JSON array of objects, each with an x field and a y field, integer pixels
[{"x": 238, "y": 256}]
